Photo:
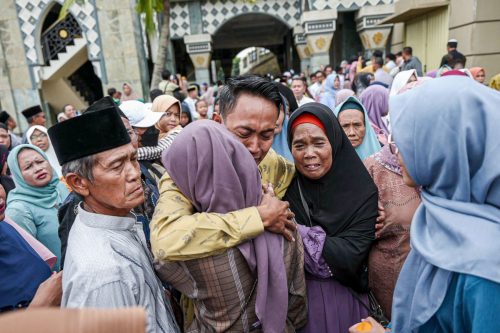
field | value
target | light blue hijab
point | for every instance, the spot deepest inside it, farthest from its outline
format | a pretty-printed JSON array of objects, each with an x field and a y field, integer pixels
[
  {"x": 280, "y": 144},
  {"x": 52, "y": 194},
  {"x": 447, "y": 133},
  {"x": 328, "y": 97},
  {"x": 370, "y": 143}
]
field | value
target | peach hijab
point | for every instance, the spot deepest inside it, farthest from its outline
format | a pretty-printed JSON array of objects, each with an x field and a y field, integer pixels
[{"x": 161, "y": 104}]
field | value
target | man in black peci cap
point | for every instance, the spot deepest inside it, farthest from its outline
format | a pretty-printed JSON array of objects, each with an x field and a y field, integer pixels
[
  {"x": 11, "y": 124},
  {"x": 107, "y": 263},
  {"x": 34, "y": 116}
]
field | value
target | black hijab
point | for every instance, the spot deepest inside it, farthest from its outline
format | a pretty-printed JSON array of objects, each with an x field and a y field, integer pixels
[
  {"x": 344, "y": 202},
  {"x": 5, "y": 181},
  {"x": 288, "y": 94}
]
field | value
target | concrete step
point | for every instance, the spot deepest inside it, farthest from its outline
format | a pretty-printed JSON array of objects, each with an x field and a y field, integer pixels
[{"x": 55, "y": 65}]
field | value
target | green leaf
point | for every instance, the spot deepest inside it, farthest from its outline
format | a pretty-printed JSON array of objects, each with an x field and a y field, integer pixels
[
  {"x": 65, "y": 7},
  {"x": 149, "y": 7}
]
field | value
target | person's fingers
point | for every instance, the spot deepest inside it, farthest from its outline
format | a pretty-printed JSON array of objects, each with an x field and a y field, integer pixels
[
  {"x": 290, "y": 225},
  {"x": 380, "y": 207},
  {"x": 290, "y": 215},
  {"x": 288, "y": 235},
  {"x": 379, "y": 226}
]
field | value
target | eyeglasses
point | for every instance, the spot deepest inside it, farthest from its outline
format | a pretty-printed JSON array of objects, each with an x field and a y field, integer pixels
[
  {"x": 392, "y": 145},
  {"x": 39, "y": 136},
  {"x": 134, "y": 135}
]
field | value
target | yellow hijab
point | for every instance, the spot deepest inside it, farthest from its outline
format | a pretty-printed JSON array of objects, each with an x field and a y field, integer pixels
[{"x": 162, "y": 104}]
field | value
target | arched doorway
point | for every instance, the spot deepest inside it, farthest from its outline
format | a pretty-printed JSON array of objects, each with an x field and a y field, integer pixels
[
  {"x": 67, "y": 76},
  {"x": 262, "y": 31}
]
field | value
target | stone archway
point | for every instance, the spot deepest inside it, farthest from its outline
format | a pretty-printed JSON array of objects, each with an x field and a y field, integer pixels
[{"x": 31, "y": 15}]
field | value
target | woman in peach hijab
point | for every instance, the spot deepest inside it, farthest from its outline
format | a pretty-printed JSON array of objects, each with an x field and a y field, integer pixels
[
  {"x": 171, "y": 107},
  {"x": 478, "y": 73}
]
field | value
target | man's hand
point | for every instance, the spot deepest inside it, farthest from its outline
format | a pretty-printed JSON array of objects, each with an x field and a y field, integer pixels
[
  {"x": 380, "y": 221},
  {"x": 49, "y": 293},
  {"x": 275, "y": 214}
]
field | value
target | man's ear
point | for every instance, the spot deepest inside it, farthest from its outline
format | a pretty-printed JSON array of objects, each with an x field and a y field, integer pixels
[{"x": 78, "y": 184}]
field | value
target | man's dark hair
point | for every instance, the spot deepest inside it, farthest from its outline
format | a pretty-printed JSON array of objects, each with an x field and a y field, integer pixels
[
  {"x": 165, "y": 74},
  {"x": 391, "y": 56},
  {"x": 299, "y": 79},
  {"x": 338, "y": 69},
  {"x": 64, "y": 107},
  {"x": 30, "y": 119},
  {"x": 408, "y": 50},
  {"x": 399, "y": 54},
  {"x": 377, "y": 53},
  {"x": 313, "y": 75},
  {"x": 322, "y": 73},
  {"x": 155, "y": 93},
  {"x": 379, "y": 61},
  {"x": 180, "y": 96},
  {"x": 452, "y": 44},
  {"x": 328, "y": 66},
  {"x": 250, "y": 85},
  {"x": 111, "y": 91}
]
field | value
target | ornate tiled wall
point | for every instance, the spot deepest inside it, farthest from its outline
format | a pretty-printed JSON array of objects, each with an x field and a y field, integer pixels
[
  {"x": 179, "y": 20},
  {"x": 216, "y": 13},
  {"x": 345, "y": 4},
  {"x": 29, "y": 13}
]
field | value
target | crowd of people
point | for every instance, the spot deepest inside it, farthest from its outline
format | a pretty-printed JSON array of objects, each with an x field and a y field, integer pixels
[{"x": 363, "y": 200}]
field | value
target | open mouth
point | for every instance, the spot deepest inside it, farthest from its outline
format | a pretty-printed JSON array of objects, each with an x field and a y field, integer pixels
[{"x": 312, "y": 167}]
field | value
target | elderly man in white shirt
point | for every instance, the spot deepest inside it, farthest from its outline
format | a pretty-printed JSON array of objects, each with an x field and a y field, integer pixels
[
  {"x": 298, "y": 89},
  {"x": 108, "y": 264}
]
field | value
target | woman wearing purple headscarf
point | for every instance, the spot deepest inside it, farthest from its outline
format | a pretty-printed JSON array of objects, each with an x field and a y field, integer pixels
[
  {"x": 375, "y": 99},
  {"x": 215, "y": 171}
]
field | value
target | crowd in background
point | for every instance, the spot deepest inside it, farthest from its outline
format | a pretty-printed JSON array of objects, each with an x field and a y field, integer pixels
[{"x": 359, "y": 198}]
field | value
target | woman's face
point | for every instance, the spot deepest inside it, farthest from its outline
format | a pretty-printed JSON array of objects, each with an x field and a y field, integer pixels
[
  {"x": 336, "y": 83},
  {"x": 170, "y": 119},
  {"x": 279, "y": 122},
  {"x": 413, "y": 78},
  {"x": 40, "y": 139},
  {"x": 4, "y": 138},
  {"x": 353, "y": 123},
  {"x": 126, "y": 89},
  {"x": 406, "y": 175},
  {"x": 311, "y": 151},
  {"x": 480, "y": 77},
  {"x": 184, "y": 119},
  {"x": 3, "y": 196},
  {"x": 35, "y": 169},
  {"x": 216, "y": 107}
]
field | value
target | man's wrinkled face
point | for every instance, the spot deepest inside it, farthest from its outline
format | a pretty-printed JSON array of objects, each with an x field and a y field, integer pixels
[
  {"x": 117, "y": 181},
  {"x": 253, "y": 122}
]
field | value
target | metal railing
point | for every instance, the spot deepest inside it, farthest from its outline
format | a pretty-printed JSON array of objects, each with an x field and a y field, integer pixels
[{"x": 58, "y": 36}]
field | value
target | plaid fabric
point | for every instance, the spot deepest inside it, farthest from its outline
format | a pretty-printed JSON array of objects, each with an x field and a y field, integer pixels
[{"x": 221, "y": 285}]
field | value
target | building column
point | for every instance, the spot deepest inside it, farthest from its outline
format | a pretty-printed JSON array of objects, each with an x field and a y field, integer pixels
[
  {"x": 319, "y": 27},
  {"x": 199, "y": 48},
  {"x": 374, "y": 37},
  {"x": 302, "y": 48}
]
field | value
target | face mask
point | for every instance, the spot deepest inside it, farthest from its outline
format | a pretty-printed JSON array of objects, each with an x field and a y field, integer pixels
[{"x": 150, "y": 137}]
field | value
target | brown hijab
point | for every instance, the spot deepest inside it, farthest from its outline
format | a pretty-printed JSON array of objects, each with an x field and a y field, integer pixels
[
  {"x": 162, "y": 104},
  {"x": 130, "y": 97},
  {"x": 55, "y": 320}
]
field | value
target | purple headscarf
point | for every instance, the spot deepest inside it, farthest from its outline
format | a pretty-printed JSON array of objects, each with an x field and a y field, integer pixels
[
  {"x": 432, "y": 73},
  {"x": 215, "y": 171},
  {"x": 375, "y": 99}
]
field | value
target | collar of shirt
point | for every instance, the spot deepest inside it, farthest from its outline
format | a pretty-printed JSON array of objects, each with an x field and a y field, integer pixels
[{"x": 106, "y": 221}]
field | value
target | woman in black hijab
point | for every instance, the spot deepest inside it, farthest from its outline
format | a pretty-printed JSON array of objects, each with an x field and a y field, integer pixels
[
  {"x": 5, "y": 180},
  {"x": 335, "y": 203},
  {"x": 290, "y": 98}
]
